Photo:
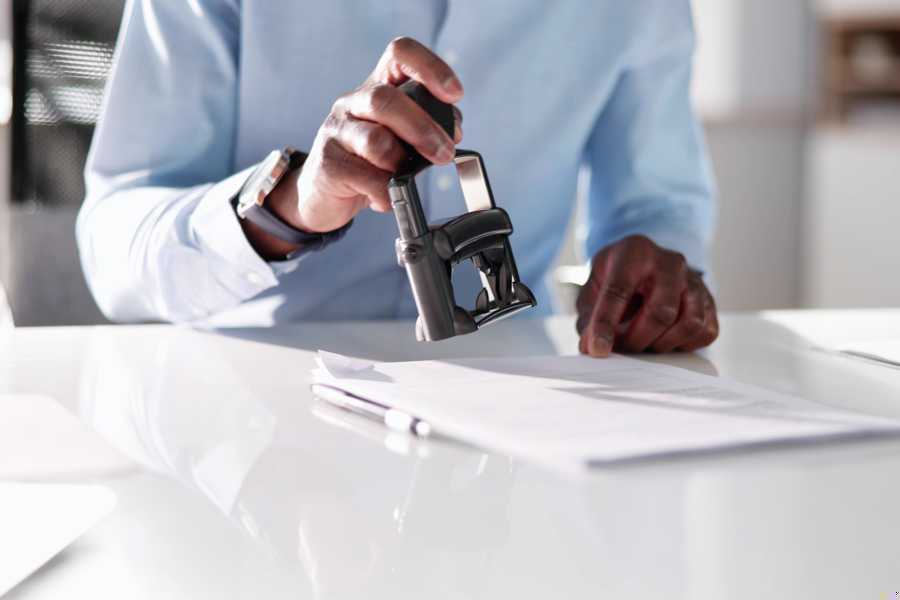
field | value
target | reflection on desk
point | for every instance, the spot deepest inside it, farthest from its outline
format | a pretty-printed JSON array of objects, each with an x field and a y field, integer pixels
[
  {"x": 236, "y": 448},
  {"x": 278, "y": 498}
]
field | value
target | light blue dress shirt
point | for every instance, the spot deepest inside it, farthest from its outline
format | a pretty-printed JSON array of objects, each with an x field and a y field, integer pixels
[{"x": 202, "y": 90}]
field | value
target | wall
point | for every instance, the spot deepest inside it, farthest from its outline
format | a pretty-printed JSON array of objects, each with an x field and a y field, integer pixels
[
  {"x": 753, "y": 77},
  {"x": 5, "y": 108},
  {"x": 756, "y": 254},
  {"x": 852, "y": 254}
]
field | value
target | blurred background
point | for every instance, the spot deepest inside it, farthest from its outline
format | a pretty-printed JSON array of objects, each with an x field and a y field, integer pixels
[{"x": 800, "y": 100}]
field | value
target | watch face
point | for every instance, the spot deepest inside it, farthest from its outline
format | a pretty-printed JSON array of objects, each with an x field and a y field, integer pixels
[{"x": 263, "y": 181}]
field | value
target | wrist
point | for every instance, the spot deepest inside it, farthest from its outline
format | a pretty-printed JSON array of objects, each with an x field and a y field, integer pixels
[
  {"x": 269, "y": 247},
  {"x": 268, "y": 207},
  {"x": 284, "y": 201}
]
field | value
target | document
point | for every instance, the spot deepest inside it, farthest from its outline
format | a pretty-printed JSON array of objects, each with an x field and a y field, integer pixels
[
  {"x": 575, "y": 411},
  {"x": 883, "y": 351}
]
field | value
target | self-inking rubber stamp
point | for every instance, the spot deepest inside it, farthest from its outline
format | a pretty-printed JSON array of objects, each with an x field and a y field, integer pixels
[{"x": 430, "y": 252}]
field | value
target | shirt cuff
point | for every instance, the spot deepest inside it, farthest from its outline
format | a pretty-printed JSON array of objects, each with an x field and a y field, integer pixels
[
  {"x": 219, "y": 236},
  {"x": 678, "y": 240}
]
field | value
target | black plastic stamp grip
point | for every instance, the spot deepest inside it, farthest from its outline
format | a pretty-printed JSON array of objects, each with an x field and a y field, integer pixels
[{"x": 429, "y": 252}]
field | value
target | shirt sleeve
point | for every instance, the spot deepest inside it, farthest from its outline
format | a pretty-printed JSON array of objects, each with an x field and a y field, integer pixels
[
  {"x": 649, "y": 169},
  {"x": 157, "y": 235}
]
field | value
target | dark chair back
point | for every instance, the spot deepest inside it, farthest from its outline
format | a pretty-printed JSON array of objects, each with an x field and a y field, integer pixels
[{"x": 62, "y": 54}]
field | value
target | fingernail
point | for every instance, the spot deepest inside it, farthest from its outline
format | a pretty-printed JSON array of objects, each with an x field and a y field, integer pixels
[
  {"x": 445, "y": 152},
  {"x": 452, "y": 85},
  {"x": 600, "y": 346}
]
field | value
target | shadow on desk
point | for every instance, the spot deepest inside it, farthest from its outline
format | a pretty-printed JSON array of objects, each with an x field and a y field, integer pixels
[{"x": 395, "y": 340}]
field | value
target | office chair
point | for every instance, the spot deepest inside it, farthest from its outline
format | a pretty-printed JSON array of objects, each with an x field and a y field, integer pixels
[{"x": 62, "y": 53}]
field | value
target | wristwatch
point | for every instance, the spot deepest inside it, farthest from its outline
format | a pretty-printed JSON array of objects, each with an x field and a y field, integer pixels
[{"x": 250, "y": 203}]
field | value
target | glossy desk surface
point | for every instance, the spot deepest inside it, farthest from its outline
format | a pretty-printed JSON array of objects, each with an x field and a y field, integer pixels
[{"x": 240, "y": 485}]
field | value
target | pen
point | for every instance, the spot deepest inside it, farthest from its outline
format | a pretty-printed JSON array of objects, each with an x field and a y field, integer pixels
[{"x": 393, "y": 419}]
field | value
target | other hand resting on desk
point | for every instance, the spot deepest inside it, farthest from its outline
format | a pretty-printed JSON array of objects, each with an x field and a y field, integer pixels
[{"x": 641, "y": 297}]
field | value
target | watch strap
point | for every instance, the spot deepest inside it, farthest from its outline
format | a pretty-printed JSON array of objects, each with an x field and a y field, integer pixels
[
  {"x": 272, "y": 224},
  {"x": 306, "y": 242}
]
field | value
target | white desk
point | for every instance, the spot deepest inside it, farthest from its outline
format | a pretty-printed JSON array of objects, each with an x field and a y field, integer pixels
[{"x": 248, "y": 489}]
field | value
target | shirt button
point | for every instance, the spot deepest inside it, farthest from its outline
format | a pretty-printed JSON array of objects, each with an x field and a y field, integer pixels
[
  {"x": 253, "y": 278},
  {"x": 444, "y": 182},
  {"x": 451, "y": 57}
]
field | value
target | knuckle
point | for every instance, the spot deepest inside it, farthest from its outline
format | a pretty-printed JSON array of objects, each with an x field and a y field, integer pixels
[
  {"x": 693, "y": 325},
  {"x": 696, "y": 294},
  {"x": 425, "y": 132},
  {"x": 379, "y": 98},
  {"x": 638, "y": 242},
  {"x": 332, "y": 123},
  {"x": 333, "y": 156},
  {"x": 673, "y": 269},
  {"x": 601, "y": 258},
  {"x": 377, "y": 142},
  {"x": 339, "y": 106},
  {"x": 379, "y": 179},
  {"x": 615, "y": 291},
  {"x": 330, "y": 147},
  {"x": 605, "y": 260},
  {"x": 678, "y": 263},
  {"x": 637, "y": 250},
  {"x": 399, "y": 45},
  {"x": 663, "y": 314}
]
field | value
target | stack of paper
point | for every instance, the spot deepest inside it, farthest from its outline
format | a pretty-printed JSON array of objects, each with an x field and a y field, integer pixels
[{"x": 576, "y": 411}]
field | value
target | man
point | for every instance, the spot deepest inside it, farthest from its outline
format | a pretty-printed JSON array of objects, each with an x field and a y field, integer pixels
[{"x": 203, "y": 90}]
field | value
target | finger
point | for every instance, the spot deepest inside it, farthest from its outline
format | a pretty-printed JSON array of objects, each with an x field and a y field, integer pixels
[
  {"x": 405, "y": 58},
  {"x": 372, "y": 142},
  {"x": 690, "y": 323},
  {"x": 457, "y": 125},
  {"x": 661, "y": 307},
  {"x": 614, "y": 294},
  {"x": 656, "y": 315},
  {"x": 584, "y": 306},
  {"x": 355, "y": 174},
  {"x": 710, "y": 330},
  {"x": 388, "y": 106}
]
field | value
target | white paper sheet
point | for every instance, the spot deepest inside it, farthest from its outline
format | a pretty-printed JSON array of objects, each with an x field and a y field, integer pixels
[
  {"x": 885, "y": 351},
  {"x": 577, "y": 411}
]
